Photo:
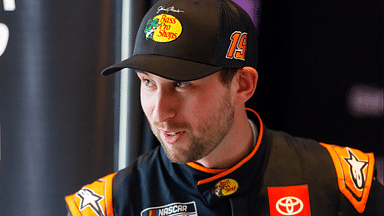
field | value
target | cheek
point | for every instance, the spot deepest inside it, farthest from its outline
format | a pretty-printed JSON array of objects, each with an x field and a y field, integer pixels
[
  {"x": 146, "y": 104},
  {"x": 202, "y": 106},
  {"x": 208, "y": 104}
]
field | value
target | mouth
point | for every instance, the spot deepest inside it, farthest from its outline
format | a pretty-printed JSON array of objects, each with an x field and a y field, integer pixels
[
  {"x": 172, "y": 133},
  {"x": 171, "y": 137}
]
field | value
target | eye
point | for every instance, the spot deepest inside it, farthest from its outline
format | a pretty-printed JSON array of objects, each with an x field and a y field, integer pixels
[
  {"x": 147, "y": 82},
  {"x": 181, "y": 84}
]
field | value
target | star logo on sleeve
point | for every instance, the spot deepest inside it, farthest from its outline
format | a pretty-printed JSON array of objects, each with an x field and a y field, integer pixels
[
  {"x": 90, "y": 198},
  {"x": 354, "y": 170},
  {"x": 356, "y": 167}
]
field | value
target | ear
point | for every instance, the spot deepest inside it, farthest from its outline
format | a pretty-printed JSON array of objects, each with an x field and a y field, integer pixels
[{"x": 244, "y": 85}]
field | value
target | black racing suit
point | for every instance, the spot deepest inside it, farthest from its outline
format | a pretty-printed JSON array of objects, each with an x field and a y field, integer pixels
[{"x": 284, "y": 175}]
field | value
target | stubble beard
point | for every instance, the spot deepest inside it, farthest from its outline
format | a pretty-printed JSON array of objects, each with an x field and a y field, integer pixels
[{"x": 204, "y": 138}]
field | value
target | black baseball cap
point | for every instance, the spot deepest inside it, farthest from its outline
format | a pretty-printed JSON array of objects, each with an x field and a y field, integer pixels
[{"x": 186, "y": 40}]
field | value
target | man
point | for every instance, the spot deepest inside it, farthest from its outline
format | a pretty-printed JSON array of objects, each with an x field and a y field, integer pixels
[{"x": 195, "y": 60}]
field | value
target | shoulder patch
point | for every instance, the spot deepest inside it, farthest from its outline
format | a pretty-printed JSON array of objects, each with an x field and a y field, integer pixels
[
  {"x": 354, "y": 171},
  {"x": 93, "y": 200}
]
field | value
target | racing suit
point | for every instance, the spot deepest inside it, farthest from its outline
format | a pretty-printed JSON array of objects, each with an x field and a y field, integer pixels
[{"x": 283, "y": 175}]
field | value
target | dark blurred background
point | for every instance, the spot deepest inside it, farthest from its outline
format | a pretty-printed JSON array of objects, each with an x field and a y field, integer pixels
[{"x": 320, "y": 76}]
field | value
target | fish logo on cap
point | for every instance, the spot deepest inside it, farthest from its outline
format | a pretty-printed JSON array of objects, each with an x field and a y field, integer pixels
[{"x": 163, "y": 28}]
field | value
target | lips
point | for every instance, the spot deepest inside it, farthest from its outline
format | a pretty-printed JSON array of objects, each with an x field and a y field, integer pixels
[
  {"x": 171, "y": 137},
  {"x": 172, "y": 133}
]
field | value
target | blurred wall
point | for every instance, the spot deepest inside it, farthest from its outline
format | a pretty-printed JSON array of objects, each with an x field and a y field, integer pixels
[
  {"x": 321, "y": 71},
  {"x": 56, "y": 110}
]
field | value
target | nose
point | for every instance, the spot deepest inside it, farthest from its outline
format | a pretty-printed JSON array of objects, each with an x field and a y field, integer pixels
[{"x": 165, "y": 105}]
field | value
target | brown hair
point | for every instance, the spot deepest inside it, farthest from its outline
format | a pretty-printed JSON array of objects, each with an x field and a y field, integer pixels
[{"x": 226, "y": 76}]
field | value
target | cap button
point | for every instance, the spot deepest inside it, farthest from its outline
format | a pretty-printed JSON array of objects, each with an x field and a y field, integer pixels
[{"x": 225, "y": 187}]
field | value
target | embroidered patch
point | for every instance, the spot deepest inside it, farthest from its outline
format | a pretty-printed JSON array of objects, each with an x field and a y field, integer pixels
[
  {"x": 94, "y": 199},
  {"x": 90, "y": 199},
  {"x": 357, "y": 170},
  {"x": 163, "y": 28},
  {"x": 238, "y": 46},
  {"x": 354, "y": 171},
  {"x": 150, "y": 28},
  {"x": 225, "y": 187},
  {"x": 289, "y": 200},
  {"x": 179, "y": 209}
]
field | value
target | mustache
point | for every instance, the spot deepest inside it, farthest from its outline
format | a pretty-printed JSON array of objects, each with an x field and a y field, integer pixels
[{"x": 170, "y": 125}]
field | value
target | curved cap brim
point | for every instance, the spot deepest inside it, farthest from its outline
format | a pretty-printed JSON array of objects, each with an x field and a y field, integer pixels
[{"x": 165, "y": 66}]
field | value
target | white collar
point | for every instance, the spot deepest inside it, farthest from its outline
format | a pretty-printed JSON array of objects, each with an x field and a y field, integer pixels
[{"x": 254, "y": 129}]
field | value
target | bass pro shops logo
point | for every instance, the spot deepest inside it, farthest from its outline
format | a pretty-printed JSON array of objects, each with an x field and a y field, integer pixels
[
  {"x": 151, "y": 27},
  {"x": 179, "y": 209},
  {"x": 163, "y": 28}
]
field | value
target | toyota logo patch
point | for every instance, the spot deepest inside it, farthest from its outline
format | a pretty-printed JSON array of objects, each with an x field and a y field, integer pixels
[
  {"x": 289, "y": 205},
  {"x": 289, "y": 200}
]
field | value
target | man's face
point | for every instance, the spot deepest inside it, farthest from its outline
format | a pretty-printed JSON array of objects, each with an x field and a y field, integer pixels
[{"x": 189, "y": 119}]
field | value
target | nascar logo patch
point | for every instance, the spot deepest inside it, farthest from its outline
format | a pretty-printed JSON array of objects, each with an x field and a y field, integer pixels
[{"x": 179, "y": 209}]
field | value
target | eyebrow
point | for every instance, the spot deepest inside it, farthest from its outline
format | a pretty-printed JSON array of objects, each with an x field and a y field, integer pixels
[
  {"x": 149, "y": 74},
  {"x": 142, "y": 72}
]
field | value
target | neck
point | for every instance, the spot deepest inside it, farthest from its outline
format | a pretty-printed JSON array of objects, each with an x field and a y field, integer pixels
[{"x": 235, "y": 146}]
